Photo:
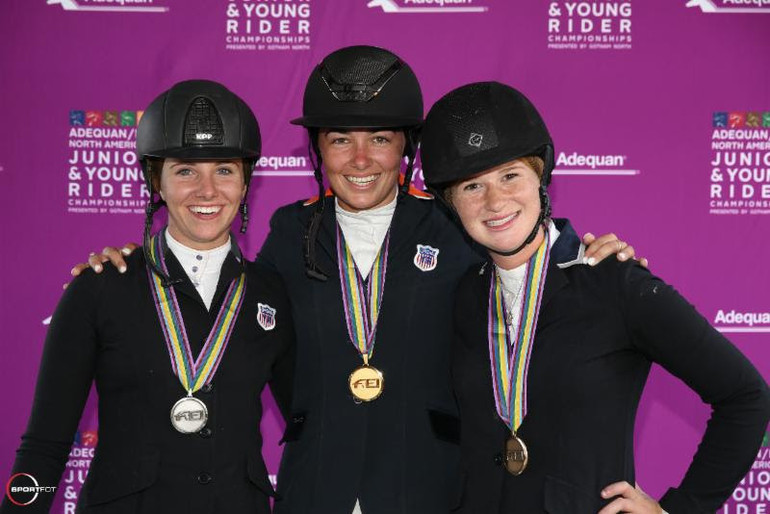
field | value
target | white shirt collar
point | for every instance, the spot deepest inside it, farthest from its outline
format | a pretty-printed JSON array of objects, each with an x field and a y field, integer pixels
[
  {"x": 203, "y": 267},
  {"x": 365, "y": 231}
]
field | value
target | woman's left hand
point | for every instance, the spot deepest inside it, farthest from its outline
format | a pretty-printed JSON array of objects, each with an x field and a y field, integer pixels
[
  {"x": 598, "y": 248},
  {"x": 629, "y": 499}
]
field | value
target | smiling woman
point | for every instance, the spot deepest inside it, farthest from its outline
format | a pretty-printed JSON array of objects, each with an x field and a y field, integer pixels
[
  {"x": 190, "y": 312},
  {"x": 362, "y": 166},
  {"x": 500, "y": 207},
  {"x": 559, "y": 350},
  {"x": 202, "y": 199}
]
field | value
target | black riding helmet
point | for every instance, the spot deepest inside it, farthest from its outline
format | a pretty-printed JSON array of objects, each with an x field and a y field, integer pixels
[
  {"x": 196, "y": 120},
  {"x": 361, "y": 87},
  {"x": 477, "y": 127}
]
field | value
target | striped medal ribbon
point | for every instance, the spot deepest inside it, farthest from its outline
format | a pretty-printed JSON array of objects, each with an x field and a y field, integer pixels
[
  {"x": 190, "y": 414},
  {"x": 362, "y": 300},
  {"x": 511, "y": 349}
]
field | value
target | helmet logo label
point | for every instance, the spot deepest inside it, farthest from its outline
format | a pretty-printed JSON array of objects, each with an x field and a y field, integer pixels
[
  {"x": 475, "y": 139},
  {"x": 426, "y": 258},
  {"x": 203, "y": 124}
]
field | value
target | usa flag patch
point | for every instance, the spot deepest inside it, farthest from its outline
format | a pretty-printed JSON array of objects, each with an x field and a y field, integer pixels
[
  {"x": 266, "y": 316},
  {"x": 426, "y": 258}
]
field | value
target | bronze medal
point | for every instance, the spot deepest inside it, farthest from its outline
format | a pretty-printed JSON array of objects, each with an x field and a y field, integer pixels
[
  {"x": 366, "y": 383},
  {"x": 516, "y": 455}
]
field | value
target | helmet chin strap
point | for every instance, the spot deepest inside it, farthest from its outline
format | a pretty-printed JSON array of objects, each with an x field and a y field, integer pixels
[
  {"x": 312, "y": 269},
  {"x": 411, "y": 137},
  {"x": 545, "y": 212}
]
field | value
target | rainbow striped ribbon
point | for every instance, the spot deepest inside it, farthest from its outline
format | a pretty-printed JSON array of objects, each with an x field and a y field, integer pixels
[
  {"x": 192, "y": 374},
  {"x": 509, "y": 354},
  {"x": 362, "y": 299}
]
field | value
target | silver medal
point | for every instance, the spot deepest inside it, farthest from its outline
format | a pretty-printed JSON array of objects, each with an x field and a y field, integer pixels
[{"x": 189, "y": 415}]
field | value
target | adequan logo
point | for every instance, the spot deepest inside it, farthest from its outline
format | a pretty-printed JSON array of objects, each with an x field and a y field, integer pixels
[
  {"x": 733, "y": 320},
  {"x": 578, "y": 163},
  {"x": 427, "y": 6},
  {"x": 731, "y": 6},
  {"x": 109, "y": 5}
]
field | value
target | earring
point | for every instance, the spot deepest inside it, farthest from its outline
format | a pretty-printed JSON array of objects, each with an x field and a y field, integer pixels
[{"x": 244, "y": 217}]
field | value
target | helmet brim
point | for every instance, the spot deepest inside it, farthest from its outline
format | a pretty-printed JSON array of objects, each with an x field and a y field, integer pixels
[
  {"x": 484, "y": 161},
  {"x": 202, "y": 153},
  {"x": 352, "y": 121}
]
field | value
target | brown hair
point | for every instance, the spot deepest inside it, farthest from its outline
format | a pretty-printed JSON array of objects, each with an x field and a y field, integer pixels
[{"x": 154, "y": 168}]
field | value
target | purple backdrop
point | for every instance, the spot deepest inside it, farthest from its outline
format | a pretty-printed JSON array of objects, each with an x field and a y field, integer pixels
[{"x": 660, "y": 112}]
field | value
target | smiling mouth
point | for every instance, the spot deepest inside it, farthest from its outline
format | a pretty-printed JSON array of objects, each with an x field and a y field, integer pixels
[
  {"x": 205, "y": 209},
  {"x": 362, "y": 181},
  {"x": 500, "y": 221}
]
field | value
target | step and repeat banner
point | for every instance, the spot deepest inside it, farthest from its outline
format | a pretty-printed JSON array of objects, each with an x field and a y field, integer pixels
[{"x": 660, "y": 112}]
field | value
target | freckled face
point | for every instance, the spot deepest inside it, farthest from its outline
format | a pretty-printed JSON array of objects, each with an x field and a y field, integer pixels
[
  {"x": 362, "y": 165},
  {"x": 499, "y": 207},
  {"x": 202, "y": 198}
]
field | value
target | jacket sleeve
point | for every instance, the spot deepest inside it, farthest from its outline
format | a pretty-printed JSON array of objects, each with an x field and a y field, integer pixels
[
  {"x": 270, "y": 254},
  {"x": 63, "y": 383},
  {"x": 669, "y": 330},
  {"x": 282, "y": 376}
]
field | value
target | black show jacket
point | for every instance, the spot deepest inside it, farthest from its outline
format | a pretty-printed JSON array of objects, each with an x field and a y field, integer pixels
[
  {"x": 106, "y": 330},
  {"x": 399, "y": 453},
  {"x": 598, "y": 332}
]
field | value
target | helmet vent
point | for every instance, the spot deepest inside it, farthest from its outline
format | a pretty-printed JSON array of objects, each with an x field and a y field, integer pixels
[
  {"x": 352, "y": 77},
  {"x": 203, "y": 125}
]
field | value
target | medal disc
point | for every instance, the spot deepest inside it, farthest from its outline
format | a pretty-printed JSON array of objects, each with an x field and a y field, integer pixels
[
  {"x": 366, "y": 383},
  {"x": 189, "y": 415},
  {"x": 516, "y": 455}
]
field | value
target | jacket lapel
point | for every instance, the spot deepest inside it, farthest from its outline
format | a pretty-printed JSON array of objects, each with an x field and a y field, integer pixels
[
  {"x": 564, "y": 249},
  {"x": 231, "y": 269},
  {"x": 326, "y": 242}
]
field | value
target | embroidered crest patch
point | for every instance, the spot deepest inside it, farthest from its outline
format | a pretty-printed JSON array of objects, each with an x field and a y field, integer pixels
[
  {"x": 266, "y": 316},
  {"x": 426, "y": 258}
]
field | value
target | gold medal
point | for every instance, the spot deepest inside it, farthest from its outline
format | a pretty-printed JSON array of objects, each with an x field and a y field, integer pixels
[
  {"x": 366, "y": 383},
  {"x": 361, "y": 300},
  {"x": 515, "y": 456}
]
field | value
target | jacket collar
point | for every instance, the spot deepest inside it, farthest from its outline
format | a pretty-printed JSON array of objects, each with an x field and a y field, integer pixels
[
  {"x": 404, "y": 219},
  {"x": 567, "y": 251},
  {"x": 232, "y": 267}
]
